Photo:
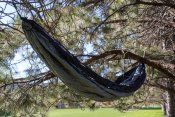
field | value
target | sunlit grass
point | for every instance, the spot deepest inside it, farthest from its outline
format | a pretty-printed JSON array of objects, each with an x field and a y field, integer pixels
[{"x": 104, "y": 112}]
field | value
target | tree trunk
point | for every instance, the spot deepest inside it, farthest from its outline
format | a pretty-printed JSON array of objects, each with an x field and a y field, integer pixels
[
  {"x": 164, "y": 107},
  {"x": 170, "y": 102}
]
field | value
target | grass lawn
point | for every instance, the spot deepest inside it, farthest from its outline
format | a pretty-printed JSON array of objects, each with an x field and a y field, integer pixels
[{"x": 104, "y": 112}]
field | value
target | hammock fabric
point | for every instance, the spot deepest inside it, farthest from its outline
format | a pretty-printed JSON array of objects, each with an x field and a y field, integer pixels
[{"x": 76, "y": 75}]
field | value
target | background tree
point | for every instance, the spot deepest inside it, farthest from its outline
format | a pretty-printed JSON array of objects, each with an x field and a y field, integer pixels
[{"x": 106, "y": 35}]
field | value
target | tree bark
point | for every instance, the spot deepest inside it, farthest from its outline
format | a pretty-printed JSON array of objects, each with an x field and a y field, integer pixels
[
  {"x": 170, "y": 101},
  {"x": 164, "y": 108}
]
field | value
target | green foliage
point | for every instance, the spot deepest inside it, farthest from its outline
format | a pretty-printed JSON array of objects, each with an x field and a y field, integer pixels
[{"x": 9, "y": 41}]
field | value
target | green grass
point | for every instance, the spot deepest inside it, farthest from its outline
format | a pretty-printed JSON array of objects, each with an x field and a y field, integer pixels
[{"x": 104, "y": 112}]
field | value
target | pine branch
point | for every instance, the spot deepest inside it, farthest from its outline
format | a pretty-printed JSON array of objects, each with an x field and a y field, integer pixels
[
  {"x": 90, "y": 2},
  {"x": 126, "y": 54},
  {"x": 156, "y": 4}
]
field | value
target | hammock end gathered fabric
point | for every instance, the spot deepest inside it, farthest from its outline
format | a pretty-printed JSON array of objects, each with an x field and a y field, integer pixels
[{"x": 76, "y": 75}]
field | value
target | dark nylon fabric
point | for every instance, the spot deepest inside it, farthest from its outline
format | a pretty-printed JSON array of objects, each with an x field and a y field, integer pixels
[{"x": 126, "y": 83}]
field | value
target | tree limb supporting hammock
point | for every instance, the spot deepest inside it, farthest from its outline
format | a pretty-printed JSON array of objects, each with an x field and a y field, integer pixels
[{"x": 75, "y": 74}]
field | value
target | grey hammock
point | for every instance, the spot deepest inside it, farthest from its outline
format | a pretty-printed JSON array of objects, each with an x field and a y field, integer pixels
[{"x": 76, "y": 75}]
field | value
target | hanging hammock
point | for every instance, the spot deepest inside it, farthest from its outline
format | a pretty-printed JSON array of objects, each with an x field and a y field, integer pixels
[{"x": 76, "y": 75}]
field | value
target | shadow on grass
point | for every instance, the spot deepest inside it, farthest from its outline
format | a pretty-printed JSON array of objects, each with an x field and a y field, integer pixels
[{"x": 150, "y": 108}]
